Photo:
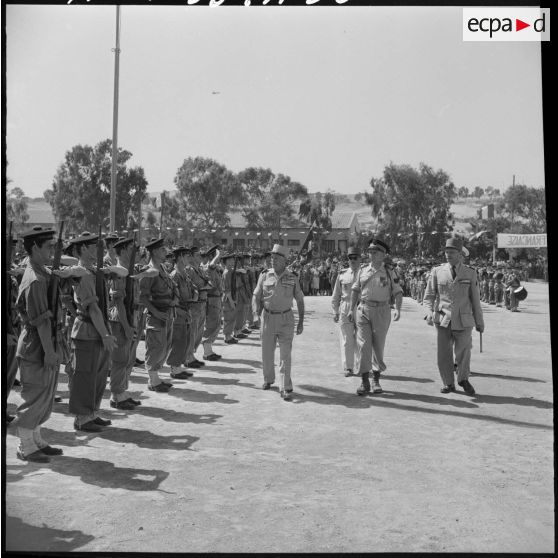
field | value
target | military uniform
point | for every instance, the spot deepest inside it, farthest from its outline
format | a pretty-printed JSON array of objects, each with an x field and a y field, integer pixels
[
  {"x": 213, "y": 308},
  {"x": 243, "y": 299},
  {"x": 13, "y": 328},
  {"x": 90, "y": 360},
  {"x": 38, "y": 381},
  {"x": 122, "y": 357},
  {"x": 376, "y": 288},
  {"x": 276, "y": 293},
  {"x": 341, "y": 304},
  {"x": 160, "y": 292},
  {"x": 457, "y": 301},
  {"x": 228, "y": 309},
  {"x": 197, "y": 311},
  {"x": 181, "y": 328}
]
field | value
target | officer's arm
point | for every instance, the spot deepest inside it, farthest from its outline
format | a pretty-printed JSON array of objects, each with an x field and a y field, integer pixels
[
  {"x": 299, "y": 297},
  {"x": 257, "y": 296},
  {"x": 431, "y": 292},
  {"x": 336, "y": 297},
  {"x": 477, "y": 308},
  {"x": 355, "y": 293},
  {"x": 429, "y": 297}
]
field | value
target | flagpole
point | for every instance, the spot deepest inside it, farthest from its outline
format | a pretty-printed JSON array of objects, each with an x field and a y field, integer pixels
[{"x": 115, "y": 125}]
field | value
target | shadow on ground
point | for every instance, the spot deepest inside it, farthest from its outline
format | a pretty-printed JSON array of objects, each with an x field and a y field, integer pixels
[
  {"x": 504, "y": 377},
  {"x": 389, "y": 399},
  {"x": 21, "y": 536}
]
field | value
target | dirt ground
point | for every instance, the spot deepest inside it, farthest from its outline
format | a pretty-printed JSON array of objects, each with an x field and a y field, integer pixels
[{"x": 218, "y": 465}]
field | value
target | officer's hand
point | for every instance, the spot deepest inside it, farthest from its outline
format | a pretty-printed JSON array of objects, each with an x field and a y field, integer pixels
[
  {"x": 161, "y": 316},
  {"x": 336, "y": 318},
  {"x": 396, "y": 314},
  {"x": 299, "y": 328},
  {"x": 129, "y": 333},
  {"x": 429, "y": 319},
  {"x": 351, "y": 317},
  {"x": 51, "y": 359},
  {"x": 109, "y": 343},
  {"x": 480, "y": 329}
]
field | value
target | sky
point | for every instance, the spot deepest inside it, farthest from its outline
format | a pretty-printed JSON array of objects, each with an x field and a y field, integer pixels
[{"x": 326, "y": 95}]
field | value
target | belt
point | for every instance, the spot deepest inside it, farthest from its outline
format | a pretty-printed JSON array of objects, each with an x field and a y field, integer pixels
[
  {"x": 376, "y": 302},
  {"x": 273, "y": 312},
  {"x": 198, "y": 301},
  {"x": 214, "y": 296}
]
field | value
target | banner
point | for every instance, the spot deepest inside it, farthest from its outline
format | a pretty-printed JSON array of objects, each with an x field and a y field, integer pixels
[{"x": 521, "y": 240}]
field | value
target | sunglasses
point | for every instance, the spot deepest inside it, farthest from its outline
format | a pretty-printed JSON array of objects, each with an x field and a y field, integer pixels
[{"x": 353, "y": 257}]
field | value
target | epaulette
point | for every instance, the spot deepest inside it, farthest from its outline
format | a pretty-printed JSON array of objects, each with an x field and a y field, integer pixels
[{"x": 470, "y": 267}]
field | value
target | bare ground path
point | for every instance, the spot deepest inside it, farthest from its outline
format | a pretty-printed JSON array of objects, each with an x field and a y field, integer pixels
[{"x": 220, "y": 465}]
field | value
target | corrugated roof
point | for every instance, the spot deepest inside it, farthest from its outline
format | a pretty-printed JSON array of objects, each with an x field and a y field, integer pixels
[
  {"x": 40, "y": 212},
  {"x": 342, "y": 220},
  {"x": 238, "y": 221}
]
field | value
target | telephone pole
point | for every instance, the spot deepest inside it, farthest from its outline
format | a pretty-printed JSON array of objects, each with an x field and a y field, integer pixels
[{"x": 115, "y": 125}]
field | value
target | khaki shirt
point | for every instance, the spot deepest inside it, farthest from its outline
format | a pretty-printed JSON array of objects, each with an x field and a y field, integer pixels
[
  {"x": 85, "y": 294},
  {"x": 32, "y": 304},
  {"x": 277, "y": 291},
  {"x": 158, "y": 290},
  {"x": 374, "y": 285},
  {"x": 342, "y": 291},
  {"x": 460, "y": 296},
  {"x": 197, "y": 277},
  {"x": 215, "y": 278},
  {"x": 117, "y": 293}
]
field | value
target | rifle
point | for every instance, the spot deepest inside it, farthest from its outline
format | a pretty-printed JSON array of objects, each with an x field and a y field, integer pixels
[
  {"x": 233, "y": 281},
  {"x": 129, "y": 298},
  {"x": 100, "y": 279},
  {"x": 9, "y": 278},
  {"x": 54, "y": 285}
]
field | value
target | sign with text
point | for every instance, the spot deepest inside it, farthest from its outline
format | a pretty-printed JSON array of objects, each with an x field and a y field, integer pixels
[
  {"x": 512, "y": 23},
  {"x": 521, "y": 240}
]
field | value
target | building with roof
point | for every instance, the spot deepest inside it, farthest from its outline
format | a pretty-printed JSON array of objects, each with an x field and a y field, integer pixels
[
  {"x": 40, "y": 213},
  {"x": 345, "y": 228}
]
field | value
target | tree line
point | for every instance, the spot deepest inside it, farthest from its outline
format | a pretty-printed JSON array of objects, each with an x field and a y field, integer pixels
[
  {"x": 206, "y": 194},
  {"x": 411, "y": 207}
]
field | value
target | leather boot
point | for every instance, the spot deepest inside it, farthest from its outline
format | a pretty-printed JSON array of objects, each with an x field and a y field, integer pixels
[
  {"x": 376, "y": 387},
  {"x": 365, "y": 386}
]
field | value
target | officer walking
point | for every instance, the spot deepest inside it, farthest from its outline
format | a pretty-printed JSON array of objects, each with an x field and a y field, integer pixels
[
  {"x": 453, "y": 302},
  {"x": 275, "y": 291},
  {"x": 341, "y": 304},
  {"x": 377, "y": 289}
]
